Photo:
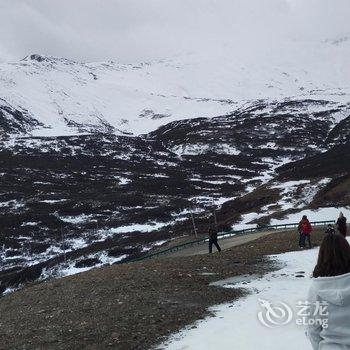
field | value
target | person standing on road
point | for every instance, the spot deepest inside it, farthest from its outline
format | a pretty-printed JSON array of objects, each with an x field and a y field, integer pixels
[
  {"x": 341, "y": 224},
  {"x": 305, "y": 230},
  {"x": 213, "y": 239}
]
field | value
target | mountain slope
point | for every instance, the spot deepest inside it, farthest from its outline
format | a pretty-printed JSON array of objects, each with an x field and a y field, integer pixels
[
  {"x": 66, "y": 97},
  {"x": 100, "y": 199},
  {"x": 110, "y": 307},
  {"x": 102, "y": 162}
]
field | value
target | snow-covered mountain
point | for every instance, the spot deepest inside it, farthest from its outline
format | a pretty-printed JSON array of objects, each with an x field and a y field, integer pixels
[
  {"x": 56, "y": 96},
  {"x": 102, "y": 162},
  {"x": 100, "y": 198}
]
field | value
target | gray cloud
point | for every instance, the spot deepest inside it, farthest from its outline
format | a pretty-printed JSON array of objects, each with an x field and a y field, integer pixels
[{"x": 133, "y": 30}]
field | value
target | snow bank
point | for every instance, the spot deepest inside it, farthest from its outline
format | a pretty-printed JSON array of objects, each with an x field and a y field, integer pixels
[
  {"x": 237, "y": 326},
  {"x": 321, "y": 214},
  {"x": 139, "y": 227}
]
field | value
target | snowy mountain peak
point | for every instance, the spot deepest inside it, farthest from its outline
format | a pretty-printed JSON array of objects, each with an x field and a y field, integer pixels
[
  {"x": 47, "y": 59},
  {"x": 66, "y": 97},
  {"x": 35, "y": 57}
]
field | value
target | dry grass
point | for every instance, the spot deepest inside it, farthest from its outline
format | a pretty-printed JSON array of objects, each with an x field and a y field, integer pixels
[{"x": 131, "y": 306}]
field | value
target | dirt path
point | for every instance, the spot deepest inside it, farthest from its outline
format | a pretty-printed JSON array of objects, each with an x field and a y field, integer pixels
[
  {"x": 225, "y": 244},
  {"x": 131, "y": 306}
]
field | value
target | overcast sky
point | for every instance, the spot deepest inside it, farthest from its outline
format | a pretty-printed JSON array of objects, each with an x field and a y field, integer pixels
[{"x": 134, "y": 30}]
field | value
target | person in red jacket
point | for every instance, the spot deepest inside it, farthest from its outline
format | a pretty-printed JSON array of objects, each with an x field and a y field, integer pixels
[{"x": 305, "y": 230}]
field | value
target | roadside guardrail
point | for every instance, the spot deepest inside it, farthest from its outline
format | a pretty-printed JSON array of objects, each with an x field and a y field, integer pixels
[{"x": 223, "y": 235}]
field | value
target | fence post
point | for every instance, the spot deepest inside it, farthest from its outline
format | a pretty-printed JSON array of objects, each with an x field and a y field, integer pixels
[
  {"x": 194, "y": 225},
  {"x": 215, "y": 220},
  {"x": 63, "y": 245}
]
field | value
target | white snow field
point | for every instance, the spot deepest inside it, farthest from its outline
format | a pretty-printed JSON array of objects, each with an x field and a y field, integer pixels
[
  {"x": 236, "y": 325},
  {"x": 139, "y": 98},
  {"x": 320, "y": 214},
  {"x": 251, "y": 50}
]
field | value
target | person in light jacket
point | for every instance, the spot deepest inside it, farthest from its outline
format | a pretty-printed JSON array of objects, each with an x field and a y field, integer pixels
[{"x": 331, "y": 287}]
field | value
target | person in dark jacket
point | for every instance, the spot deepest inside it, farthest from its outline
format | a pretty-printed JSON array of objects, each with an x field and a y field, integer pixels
[
  {"x": 305, "y": 230},
  {"x": 341, "y": 224},
  {"x": 213, "y": 239},
  {"x": 330, "y": 230}
]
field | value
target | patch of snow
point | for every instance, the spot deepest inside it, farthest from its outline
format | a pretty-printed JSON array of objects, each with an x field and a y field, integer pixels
[
  {"x": 123, "y": 180},
  {"x": 159, "y": 243},
  {"x": 139, "y": 227},
  {"x": 70, "y": 269},
  {"x": 321, "y": 214},
  {"x": 29, "y": 224},
  {"x": 53, "y": 201},
  {"x": 236, "y": 325},
  {"x": 78, "y": 219},
  {"x": 288, "y": 184},
  {"x": 244, "y": 223},
  {"x": 14, "y": 204},
  {"x": 76, "y": 243}
]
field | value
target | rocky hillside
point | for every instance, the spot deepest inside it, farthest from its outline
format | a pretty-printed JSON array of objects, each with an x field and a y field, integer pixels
[
  {"x": 138, "y": 305},
  {"x": 69, "y": 203}
]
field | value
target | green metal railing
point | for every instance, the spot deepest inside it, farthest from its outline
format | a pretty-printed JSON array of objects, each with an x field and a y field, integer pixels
[{"x": 224, "y": 235}]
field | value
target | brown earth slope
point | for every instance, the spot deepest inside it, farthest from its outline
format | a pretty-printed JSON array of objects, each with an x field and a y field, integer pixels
[{"x": 130, "y": 306}]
